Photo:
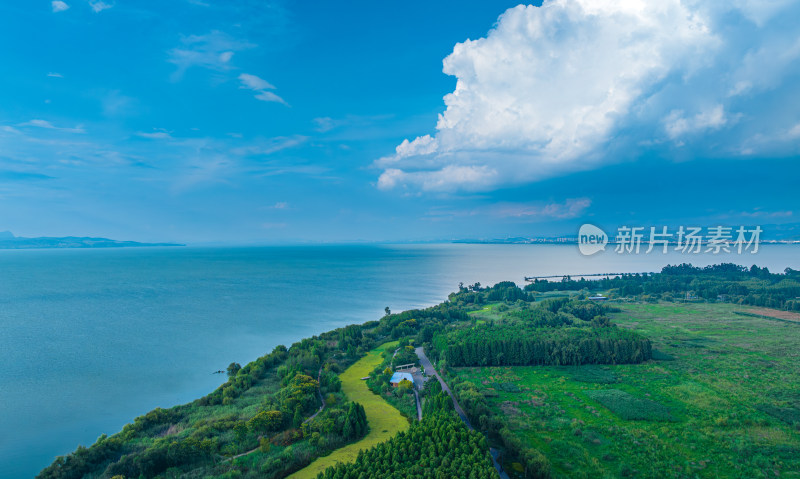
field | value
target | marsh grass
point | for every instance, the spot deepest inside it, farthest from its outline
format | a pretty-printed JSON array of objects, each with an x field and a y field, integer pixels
[
  {"x": 730, "y": 388},
  {"x": 630, "y": 407}
]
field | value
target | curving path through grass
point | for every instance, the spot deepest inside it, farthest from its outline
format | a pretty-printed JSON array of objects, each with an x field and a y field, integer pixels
[{"x": 384, "y": 420}]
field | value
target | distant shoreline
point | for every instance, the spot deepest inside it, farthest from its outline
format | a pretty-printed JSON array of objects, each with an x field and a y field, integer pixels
[
  {"x": 73, "y": 242},
  {"x": 574, "y": 242}
]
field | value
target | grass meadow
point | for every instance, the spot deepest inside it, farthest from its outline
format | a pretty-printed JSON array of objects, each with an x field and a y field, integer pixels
[
  {"x": 722, "y": 400},
  {"x": 384, "y": 420}
]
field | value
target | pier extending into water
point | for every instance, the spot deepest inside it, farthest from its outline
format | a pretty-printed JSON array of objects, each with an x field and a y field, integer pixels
[{"x": 530, "y": 279}]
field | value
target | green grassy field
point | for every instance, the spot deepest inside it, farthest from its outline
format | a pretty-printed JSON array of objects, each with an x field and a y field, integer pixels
[
  {"x": 724, "y": 401},
  {"x": 384, "y": 420},
  {"x": 490, "y": 312}
]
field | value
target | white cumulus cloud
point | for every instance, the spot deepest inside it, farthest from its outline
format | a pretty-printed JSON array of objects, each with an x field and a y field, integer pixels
[
  {"x": 575, "y": 84},
  {"x": 677, "y": 125},
  {"x": 254, "y": 83},
  {"x": 59, "y": 6},
  {"x": 261, "y": 87},
  {"x": 98, "y": 5}
]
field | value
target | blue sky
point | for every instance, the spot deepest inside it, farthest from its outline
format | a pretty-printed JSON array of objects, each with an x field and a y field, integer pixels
[{"x": 202, "y": 121}]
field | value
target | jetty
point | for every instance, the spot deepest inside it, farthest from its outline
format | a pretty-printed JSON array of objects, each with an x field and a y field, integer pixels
[{"x": 530, "y": 279}]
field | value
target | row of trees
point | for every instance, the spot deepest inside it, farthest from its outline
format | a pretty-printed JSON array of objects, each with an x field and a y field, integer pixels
[
  {"x": 438, "y": 446},
  {"x": 436, "y": 402},
  {"x": 509, "y": 346}
]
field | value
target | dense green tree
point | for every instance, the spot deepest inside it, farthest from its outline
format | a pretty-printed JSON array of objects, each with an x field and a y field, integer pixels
[
  {"x": 511, "y": 345},
  {"x": 726, "y": 282},
  {"x": 440, "y": 446},
  {"x": 266, "y": 421},
  {"x": 241, "y": 430},
  {"x": 355, "y": 425},
  {"x": 297, "y": 419},
  {"x": 233, "y": 369}
]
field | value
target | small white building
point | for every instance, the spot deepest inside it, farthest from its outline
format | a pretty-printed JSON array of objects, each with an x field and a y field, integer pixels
[{"x": 399, "y": 377}]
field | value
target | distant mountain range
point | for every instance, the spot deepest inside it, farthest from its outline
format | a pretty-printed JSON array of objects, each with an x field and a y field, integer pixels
[{"x": 9, "y": 241}]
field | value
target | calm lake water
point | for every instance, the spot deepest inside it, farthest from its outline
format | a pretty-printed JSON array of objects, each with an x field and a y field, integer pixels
[{"x": 89, "y": 339}]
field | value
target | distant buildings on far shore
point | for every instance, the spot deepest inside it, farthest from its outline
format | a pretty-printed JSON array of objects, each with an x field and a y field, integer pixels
[{"x": 574, "y": 240}]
